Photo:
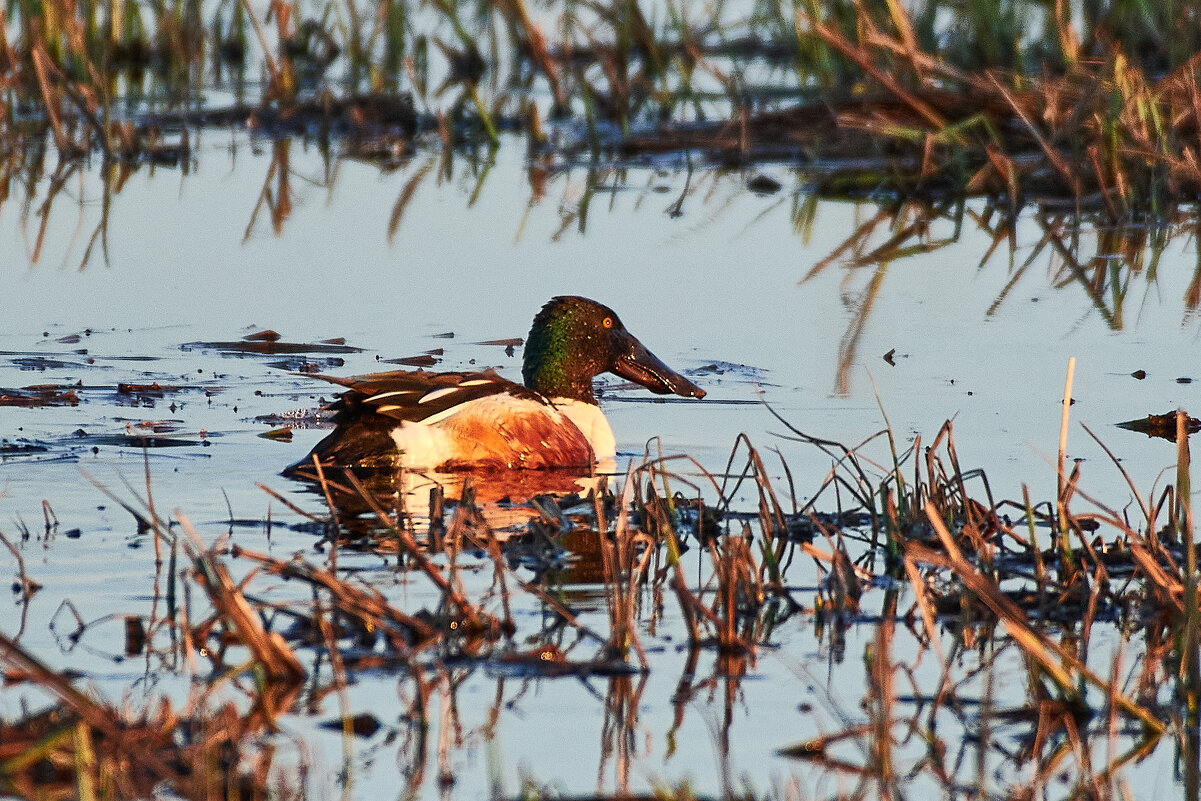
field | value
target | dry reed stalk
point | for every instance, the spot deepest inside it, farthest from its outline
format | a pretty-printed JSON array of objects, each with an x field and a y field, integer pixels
[
  {"x": 131, "y": 742},
  {"x": 406, "y": 195},
  {"x": 771, "y": 514},
  {"x": 269, "y": 648},
  {"x": 773, "y": 527},
  {"x": 732, "y": 570},
  {"x": 340, "y": 680},
  {"x": 460, "y": 522},
  {"x": 1167, "y": 590},
  {"x": 690, "y": 607},
  {"x": 1060, "y": 474},
  {"x": 42, "y": 67},
  {"x": 1057, "y": 161},
  {"x": 273, "y": 68},
  {"x": 728, "y": 572},
  {"x": 154, "y": 521},
  {"x": 1100, "y": 582},
  {"x": 536, "y": 42},
  {"x": 1050, "y": 658},
  {"x": 366, "y": 604},
  {"x": 1144, "y": 506},
  {"x": 1105, "y": 189},
  {"x": 478, "y": 620},
  {"x": 881, "y": 701},
  {"x": 143, "y": 523},
  {"x": 925, "y": 605},
  {"x": 1190, "y": 656},
  {"x": 333, "y": 511},
  {"x": 815, "y": 749},
  {"x": 558, "y": 607},
  {"x": 620, "y": 590},
  {"x": 843, "y": 456},
  {"x": 1162, "y": 579},
  {"x": 1138, "y": 127},
  {"x": 187, "y": 641},
  {"x": 48, "y": 515},
  {"x": 27, "y": 585},
  {"x": 864, "y": 61},
  {"x": 500, "y": 571}
]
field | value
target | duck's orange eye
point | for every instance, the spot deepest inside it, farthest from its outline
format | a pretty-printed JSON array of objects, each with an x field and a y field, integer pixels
[{"x": 607, "y": 322}]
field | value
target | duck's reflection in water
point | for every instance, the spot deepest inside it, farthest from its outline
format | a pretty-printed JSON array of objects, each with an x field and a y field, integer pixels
[{"x": 367, "y": 506}]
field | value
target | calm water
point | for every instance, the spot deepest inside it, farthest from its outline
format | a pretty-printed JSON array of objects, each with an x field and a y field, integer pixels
[{"x": 703, "y": 270}]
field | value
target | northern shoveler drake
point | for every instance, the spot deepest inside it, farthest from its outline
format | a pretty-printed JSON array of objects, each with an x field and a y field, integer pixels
[{"x": 463, "y": 421}]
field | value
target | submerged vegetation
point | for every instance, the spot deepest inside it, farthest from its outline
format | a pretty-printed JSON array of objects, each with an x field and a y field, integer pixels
[{"x": 974, "y": 586}]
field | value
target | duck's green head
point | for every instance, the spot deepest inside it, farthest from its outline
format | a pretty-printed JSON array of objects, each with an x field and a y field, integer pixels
[{"x": 574, "y": 339}]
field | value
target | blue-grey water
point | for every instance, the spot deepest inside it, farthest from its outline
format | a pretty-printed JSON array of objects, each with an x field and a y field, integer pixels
[{"x": 703, "y": 270}]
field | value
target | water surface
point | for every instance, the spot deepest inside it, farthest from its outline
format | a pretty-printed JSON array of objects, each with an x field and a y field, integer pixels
[{"x": 713, "y": 277}]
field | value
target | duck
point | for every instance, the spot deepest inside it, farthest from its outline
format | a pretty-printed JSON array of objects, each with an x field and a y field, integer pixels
[{"x": 456, "y": 421}]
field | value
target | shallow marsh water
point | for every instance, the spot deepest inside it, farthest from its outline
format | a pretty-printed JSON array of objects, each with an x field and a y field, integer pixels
[{"x": 704, "y": 271}]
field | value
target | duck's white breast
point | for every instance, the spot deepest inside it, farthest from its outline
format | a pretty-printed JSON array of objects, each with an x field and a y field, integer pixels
[
  {"x": 590, "y": 420},
  {"x": 501, "y": 430}
]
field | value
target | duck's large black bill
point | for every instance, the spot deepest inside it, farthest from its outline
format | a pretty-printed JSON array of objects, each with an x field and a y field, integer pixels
[{"x": 634, "y": 362}]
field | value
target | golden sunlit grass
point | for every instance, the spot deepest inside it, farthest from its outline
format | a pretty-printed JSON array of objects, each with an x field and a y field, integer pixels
[{"x": 1096, "y": 104}]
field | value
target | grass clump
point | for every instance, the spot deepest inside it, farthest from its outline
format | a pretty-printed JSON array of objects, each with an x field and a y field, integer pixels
[{"x": 1018, "y": 99}]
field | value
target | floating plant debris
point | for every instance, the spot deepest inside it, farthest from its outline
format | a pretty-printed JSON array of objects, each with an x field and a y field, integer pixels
[
  {"x": 307, "y": 365},
  {"x": 1160, "y": 425},
  {"x": 764, "y": 185},
  {"x": 153, "y": 426},
  {"x": 424, "y": 360},
  {"x": 744, "y": 372},
  {"x": 21, "y": 447},
  {"x": 153, "y": 390},
  {"x": 362, "y": 725},
  {"x": 268, "y": 347},
  {"x": 40, "y": 395},
  {"x": 43, "y": 363},
  {"x": 147, "y": 440}
]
